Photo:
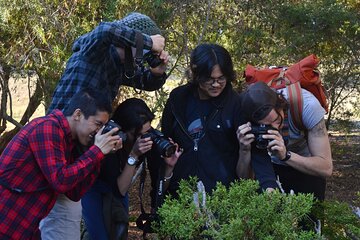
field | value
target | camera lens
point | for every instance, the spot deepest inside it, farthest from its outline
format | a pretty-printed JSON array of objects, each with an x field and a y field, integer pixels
[
  {"x": 169, "y": 150},
  {"x": 259, "y": 131},
  {"x": 161, "y": 143},
  {"x": 164, "y": 146},
  {"x": 261, "y": 143},
  {"x": 152, "y": 59}
]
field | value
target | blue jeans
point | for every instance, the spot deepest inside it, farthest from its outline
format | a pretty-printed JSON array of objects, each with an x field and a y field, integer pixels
[{"x": 92, "y": 210}]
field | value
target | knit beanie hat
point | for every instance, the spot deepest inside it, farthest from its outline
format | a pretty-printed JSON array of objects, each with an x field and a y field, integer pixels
[
  {"x": 140, "y": 22},
  {"x": 258, "y": 101}
]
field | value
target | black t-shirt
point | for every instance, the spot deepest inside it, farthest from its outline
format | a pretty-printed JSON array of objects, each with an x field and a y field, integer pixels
[{"x": 196, "y": 114}]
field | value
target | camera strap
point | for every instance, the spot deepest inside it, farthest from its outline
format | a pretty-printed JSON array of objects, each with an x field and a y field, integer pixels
[
  {"x": 139, "y": 62},
  {"x": 145, "y": 220},
  {"x": 134, "y": 66},
  {"x": 129, "y": 63},
  {"x": 139, "y": 49}
]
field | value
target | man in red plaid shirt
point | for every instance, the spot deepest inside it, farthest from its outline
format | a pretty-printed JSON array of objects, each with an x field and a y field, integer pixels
[{"x": 38, "y": 163}]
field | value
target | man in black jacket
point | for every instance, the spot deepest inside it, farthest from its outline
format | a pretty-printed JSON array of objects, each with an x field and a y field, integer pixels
[{"x": 203, "y": 118}]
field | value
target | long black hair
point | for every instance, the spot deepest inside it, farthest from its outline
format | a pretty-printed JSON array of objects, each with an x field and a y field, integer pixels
[
  {"x": 133, "y": 113},
  {"x": 203, "y": 59}
]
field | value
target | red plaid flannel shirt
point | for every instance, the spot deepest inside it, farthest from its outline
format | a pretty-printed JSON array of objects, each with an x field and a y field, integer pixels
[{"x": 35, "y": 167}]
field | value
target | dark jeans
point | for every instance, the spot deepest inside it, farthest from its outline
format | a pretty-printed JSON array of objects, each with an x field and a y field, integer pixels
[{"x": 93, "y": 204}]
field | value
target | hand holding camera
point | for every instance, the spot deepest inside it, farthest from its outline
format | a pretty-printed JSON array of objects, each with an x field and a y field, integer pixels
[
  {"x": 111, "y": 125},
  {"x": 276, "y": 144},
  {"x": 262, "y": 135},
  {"x": 158, "y": 43},
  {"x": 157, "y": 63},
  {"x": 141, "y": 146},
  {"x": 162, "y": 144},
  {"x": 110, "y": 138},
  {"x": 108, "y": 141},
  {"x": 172, "y": 160},
  {"x": 245, "y": 139}
]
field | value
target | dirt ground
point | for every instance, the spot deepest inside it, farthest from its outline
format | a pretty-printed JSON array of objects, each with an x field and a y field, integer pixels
[
  {"x": 345, "y": 180},
  {"x": 341, "y": 186}
]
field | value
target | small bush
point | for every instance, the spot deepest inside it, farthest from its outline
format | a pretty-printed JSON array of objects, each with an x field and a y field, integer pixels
[
  {"x": 241, "y": 212},
  {"x": 340, "y": 222},
  {"x": 237, "y": 212}
]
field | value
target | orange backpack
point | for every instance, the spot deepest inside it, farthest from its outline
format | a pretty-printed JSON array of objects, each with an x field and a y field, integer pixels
[{"x": 303, "y": 74}]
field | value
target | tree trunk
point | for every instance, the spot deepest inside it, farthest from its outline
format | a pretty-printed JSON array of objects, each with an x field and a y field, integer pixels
[{"x": 34, "y": 102}]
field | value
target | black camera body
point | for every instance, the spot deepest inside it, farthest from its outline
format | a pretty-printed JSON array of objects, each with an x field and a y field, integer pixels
[
  {"x": 162, "y": 144},
  {"x": 110, "y": 125},
  {"x": 152, "y": 59},
  {"x": 259, "y": 131}
]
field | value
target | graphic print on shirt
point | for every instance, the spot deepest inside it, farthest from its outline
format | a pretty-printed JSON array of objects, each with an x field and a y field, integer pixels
[{"x": 195, "y": 129}]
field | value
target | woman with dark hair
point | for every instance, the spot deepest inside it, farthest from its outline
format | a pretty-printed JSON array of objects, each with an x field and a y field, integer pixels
[
  {"x": 105, "y": 205},
  {"x": 202, "y": 117}
]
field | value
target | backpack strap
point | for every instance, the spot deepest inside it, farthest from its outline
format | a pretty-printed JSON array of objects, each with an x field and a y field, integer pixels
[
  {"x": 296, "y": 104},
  {"x": 295, "y": 96}
]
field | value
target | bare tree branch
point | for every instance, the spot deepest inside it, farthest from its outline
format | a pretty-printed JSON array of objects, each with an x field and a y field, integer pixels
[{"x": 206, "y": 22}]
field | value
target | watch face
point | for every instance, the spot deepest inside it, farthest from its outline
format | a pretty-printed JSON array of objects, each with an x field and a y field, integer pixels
[{"x": 131, "y": 161}]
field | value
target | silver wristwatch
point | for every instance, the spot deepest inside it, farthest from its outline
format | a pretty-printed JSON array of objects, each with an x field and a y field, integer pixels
[{"x": 131, "y": 161}]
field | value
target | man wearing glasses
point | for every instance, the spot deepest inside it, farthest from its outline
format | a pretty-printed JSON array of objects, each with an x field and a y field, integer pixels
[{"x": 203, "y": 118}]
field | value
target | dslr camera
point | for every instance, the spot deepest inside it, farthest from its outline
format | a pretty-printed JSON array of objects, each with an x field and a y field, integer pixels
[
  {"x": 110, "y": 125},
  {"x": 152, "y": 59},
  {"x": 259, "y": 131},
  {"x": 162, "y": 144}
]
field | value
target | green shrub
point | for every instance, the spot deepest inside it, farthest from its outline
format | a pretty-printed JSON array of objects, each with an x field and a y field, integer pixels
[
  {"x": 237, "y": 212},
  {"x": 339, "y": 221},
  {"x": 241, "y": 212}
]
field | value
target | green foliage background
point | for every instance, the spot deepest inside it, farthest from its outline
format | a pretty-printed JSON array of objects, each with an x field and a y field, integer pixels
[{"x": 36, "y": 38}]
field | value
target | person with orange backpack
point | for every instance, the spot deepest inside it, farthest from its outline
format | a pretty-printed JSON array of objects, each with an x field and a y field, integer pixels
[{"x": 301, "y": 157}]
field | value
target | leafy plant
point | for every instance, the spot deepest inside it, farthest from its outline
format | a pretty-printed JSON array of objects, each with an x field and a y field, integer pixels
[
  {"x": 241, "y": 212},
  {"x": 237, "y": 212},
  {"x": 339, "y": 221}
]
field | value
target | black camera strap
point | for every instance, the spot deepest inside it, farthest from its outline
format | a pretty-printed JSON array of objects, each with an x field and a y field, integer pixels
[
  {"x": 139, "y": 49},
  {"x": 144, "y": 221},
  {"x": 139, "y": 62},
  {"x": 129, "y": 63},
  {"x": 134, "y": 66}
]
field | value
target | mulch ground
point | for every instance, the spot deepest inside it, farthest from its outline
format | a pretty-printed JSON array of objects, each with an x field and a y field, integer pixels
[
  {"x": 341, "y": 186},
  {"x": 345, "y": 180}
]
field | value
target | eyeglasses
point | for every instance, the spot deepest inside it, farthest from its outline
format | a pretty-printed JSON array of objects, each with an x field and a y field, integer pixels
[{"x": 220, "y": 80}]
